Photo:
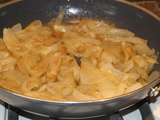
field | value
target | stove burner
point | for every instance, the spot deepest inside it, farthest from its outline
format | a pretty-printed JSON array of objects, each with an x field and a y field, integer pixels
[{"x": 143, "y": 106}]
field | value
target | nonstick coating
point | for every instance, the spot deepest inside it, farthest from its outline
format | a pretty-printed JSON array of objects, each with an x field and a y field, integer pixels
[{"x": 119, "y": 13}]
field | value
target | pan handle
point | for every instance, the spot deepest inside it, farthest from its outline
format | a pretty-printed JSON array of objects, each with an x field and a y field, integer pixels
[{"x": 154, "y": 91}]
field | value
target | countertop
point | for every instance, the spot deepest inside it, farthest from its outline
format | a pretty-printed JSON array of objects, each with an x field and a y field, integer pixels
[{"x": 153, "y": 5}]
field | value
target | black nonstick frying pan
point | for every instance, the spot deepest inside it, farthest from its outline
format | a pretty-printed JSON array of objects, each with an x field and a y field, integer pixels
[{"x": 122, "y": 14}]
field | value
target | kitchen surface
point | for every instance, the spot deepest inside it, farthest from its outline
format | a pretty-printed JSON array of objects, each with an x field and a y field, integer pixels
[{"x": 154, "y": 7}]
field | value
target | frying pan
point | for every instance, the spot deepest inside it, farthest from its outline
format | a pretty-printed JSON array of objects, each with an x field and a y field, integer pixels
[{"x": 122, "y": 14}]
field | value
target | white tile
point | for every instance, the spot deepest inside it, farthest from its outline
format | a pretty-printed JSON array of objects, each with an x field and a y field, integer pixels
[{"x": 2, "y": 111}]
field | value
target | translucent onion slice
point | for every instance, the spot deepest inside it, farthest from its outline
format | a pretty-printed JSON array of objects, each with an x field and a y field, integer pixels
[{"x": 13, "y": 44}]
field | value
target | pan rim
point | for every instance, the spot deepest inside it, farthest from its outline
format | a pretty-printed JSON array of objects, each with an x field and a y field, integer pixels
[
  {"x": 141, "y": 8},
  {"x": 115, "y": 98}
]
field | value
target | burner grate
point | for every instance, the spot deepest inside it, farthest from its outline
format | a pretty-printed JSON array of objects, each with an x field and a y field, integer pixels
[
  {"x": 143, "y": 106},
  {"x": 146, "y": 112}
]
